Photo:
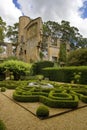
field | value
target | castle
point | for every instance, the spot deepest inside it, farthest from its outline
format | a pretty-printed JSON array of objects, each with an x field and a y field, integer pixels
[{"x": 31, "y": 41}]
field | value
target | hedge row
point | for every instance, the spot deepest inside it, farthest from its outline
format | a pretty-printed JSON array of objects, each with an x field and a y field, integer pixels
[
  {"x": 26, "y": 98},
  {"x": 81, "y": 94},
  {"x": 13, "y": 84},
  {"x": 38, "y": 66},
  {"x": 65, "y": 74},
  {"x": 60, "y": 103},
  {"x": 47, "y": 101},
  {"x": 60, "y": 96}
]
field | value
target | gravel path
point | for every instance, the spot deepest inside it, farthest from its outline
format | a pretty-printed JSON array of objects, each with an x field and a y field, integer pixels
[{"x": 17, "y": 118}]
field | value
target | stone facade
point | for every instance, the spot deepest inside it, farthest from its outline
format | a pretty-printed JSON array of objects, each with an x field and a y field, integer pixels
[
  {"x": 8, "y": 50},
  {"x": 29, "y": 39},
  {"x": 31, "y": 42}
]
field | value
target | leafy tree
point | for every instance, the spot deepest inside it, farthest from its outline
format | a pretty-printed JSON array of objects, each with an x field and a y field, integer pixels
[
  {"x": 12, "y": 33},
  {"x": 78, "y": 57},
  {"x": 2, "y": 49},
  {"x": 65, "y": 32},
  {"x": 2, "y": 29},
  {"x": 51, "y": 28},
  {"x": 82, "y": 43},
  {"x": 62, "y": 53},
  {"x": 18, "y": 68}
]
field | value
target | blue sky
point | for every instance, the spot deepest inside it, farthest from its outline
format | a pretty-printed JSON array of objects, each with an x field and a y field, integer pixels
[
  {"x": 83, "y": 9},
  {"x": 74, "y": 11},
  {"x": 16, "y": 3}
]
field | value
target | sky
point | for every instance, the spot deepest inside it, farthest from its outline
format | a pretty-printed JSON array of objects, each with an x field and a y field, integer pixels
[{"x": 74, "y": 11}]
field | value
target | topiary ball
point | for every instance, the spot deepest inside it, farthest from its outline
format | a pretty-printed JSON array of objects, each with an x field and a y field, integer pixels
[
  {"x": 42, "y": 111},
  {"x": 3, "y": 89}
]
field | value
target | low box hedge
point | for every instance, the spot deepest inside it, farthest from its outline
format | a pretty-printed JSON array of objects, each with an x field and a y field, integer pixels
[
  {"x": 60, "y": 96},
  {"x": 60, "y": 103},
  {"x": 26, "y": 98}
]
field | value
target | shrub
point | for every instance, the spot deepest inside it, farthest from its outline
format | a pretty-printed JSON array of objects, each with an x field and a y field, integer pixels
[
  {"x": 18, "y": 68},
  {"x": 38, "y": 66},
  {"x": 3, "y": 89},
  {"x": 83, "y": 98},
  {"x": 42, "y": 111},
  {"x": 78, "y": 57},
  {"x": 66, "y": 74},
  {"x": 25, "y": 98},
  {"x": 36, "y": 77},
  {"x": 2, "y": 126},
  {"x": 12, "y": 84},
  {"x": 60, "y": 103}
]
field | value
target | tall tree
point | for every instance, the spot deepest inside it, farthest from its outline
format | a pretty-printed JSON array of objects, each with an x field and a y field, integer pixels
[
  {"x": 62, "y": 54},
  {"x": 12, "y": 33},
  {"x": 65, "y": 32},
  {"x": 51, "y": 28},
  {"x": 2, "y": 29}
]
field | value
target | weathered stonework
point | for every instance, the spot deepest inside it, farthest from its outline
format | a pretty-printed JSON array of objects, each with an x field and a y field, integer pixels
[
  {"x": 9, "y": 50},
  {"x": 31, "y": 42},
  {"x": 29, "y": 39}
]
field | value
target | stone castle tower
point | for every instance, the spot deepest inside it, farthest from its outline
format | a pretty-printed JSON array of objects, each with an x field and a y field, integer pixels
[{"x": 31, "y": 39}]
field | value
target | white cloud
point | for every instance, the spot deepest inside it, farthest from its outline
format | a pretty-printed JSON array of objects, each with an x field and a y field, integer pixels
[
  {"x": 55, "y": 10},
  {"x": 9, "y": 12}
]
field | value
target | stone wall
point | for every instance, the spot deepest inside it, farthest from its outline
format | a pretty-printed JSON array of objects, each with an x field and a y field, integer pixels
[{"x": 29, "y": 39}]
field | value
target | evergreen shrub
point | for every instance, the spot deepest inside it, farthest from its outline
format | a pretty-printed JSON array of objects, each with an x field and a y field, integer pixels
[
  {"x": 2, "y": 125},
  {"x": 38, "y": 66},
  {"x": 66, "y": 74},
  {"x": 3, "y": 89},
  {"x": 42, "y": 111}
]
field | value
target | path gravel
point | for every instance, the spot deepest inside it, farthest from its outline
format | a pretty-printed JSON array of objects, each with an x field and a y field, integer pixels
[{"x": 17, "y": 118}]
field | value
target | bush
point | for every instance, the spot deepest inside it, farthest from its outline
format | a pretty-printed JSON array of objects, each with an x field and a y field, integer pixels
[
  {"x": 12, "y": 84},
  {"x": 60, "y": 103},
  {"x": 2, "y": 126},
  {"x": 25, "y": 98},
  {"x": 78, "y": 57},
  {"x": 3, "y": 89},
  {"x": 42, "y": 111},
  {"x": 38, "y": 66},
  {"x": 66, "y": 74},
  {"x": 18, "y": 68},
  {"x": 36, "y": 77}
]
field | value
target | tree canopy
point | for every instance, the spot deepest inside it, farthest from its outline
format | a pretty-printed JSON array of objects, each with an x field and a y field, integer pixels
[
  {"x": 12, "y": 33},
  {"x": 2, "y": 29},
  {"x": 77, "y": 57},
  {"x": 65, "y": 32}
]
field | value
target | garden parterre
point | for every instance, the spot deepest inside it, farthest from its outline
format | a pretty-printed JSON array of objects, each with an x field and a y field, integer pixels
[{"x": 61, "y": 96}]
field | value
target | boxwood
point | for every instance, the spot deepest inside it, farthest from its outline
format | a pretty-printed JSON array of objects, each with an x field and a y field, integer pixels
[{"x": 65, "y": 74}]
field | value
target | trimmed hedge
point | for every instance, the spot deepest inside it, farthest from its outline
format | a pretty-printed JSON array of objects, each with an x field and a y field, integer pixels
[
  {"x": 65, "y": 74},
  {"x": 3, "y": 89},
  {"x": 68, "y": 102},
  {"x": 60, "y": 103},
  {"x": 83, "y": 98},
  {"x": 13, "y": 84},
  {"x": 63, "y": 96},
  {"x": 26, "y": 98},
  {"x": 38, "y": 66},
  {"x": 42, "y": 111},
  {"x": 60, "y": 96}
]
